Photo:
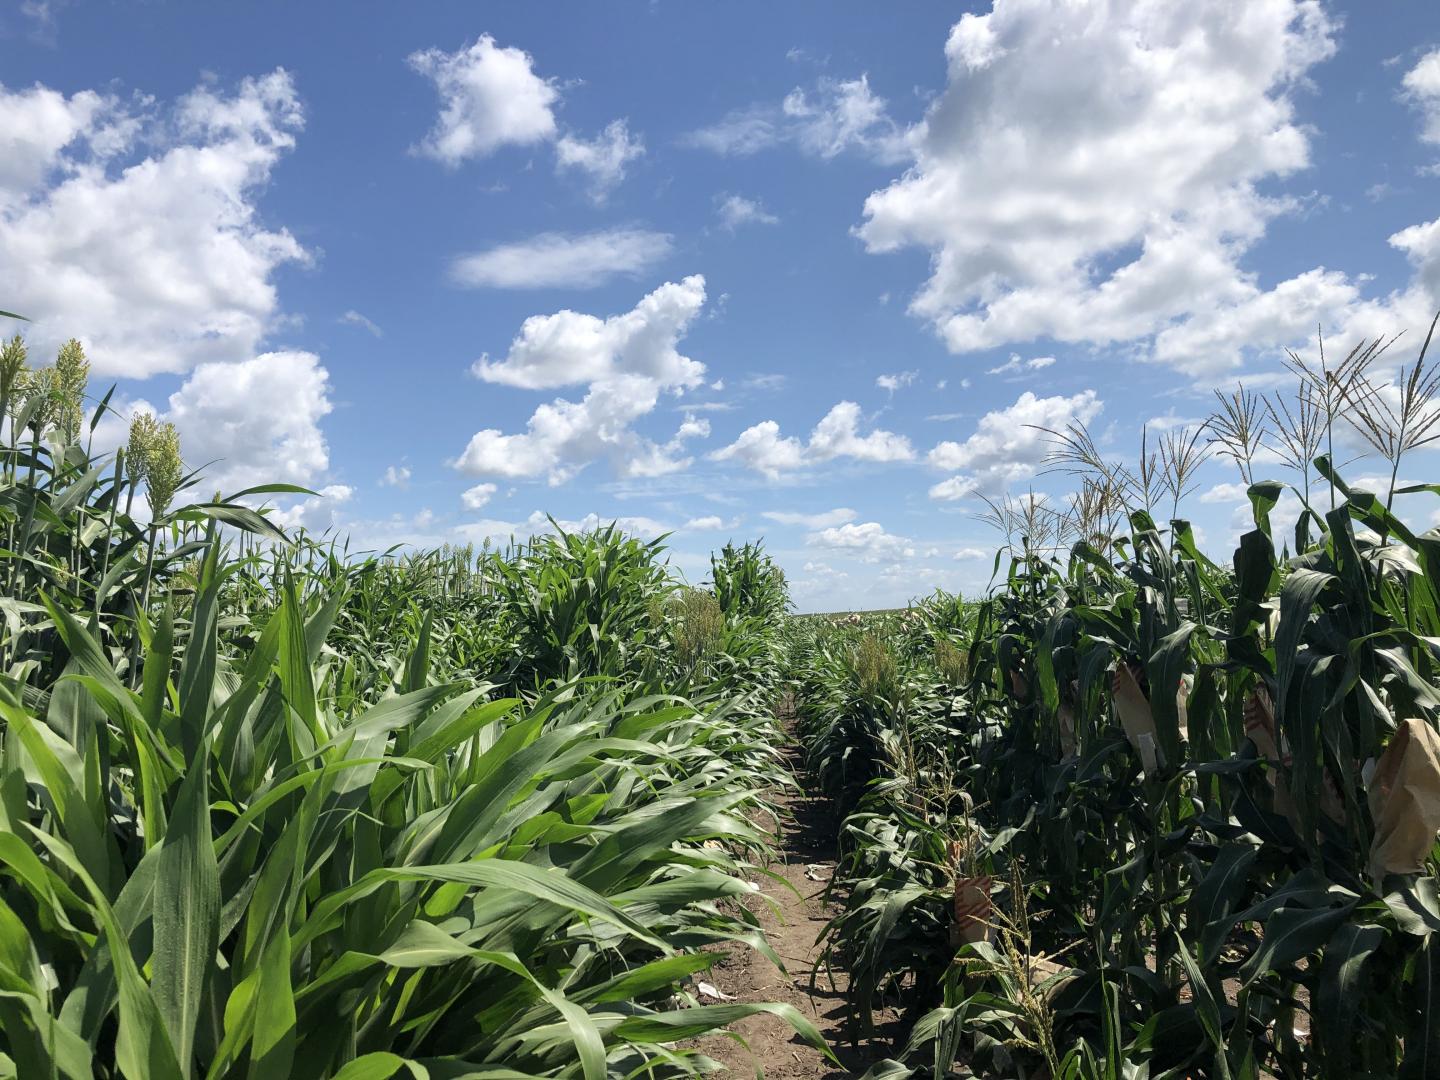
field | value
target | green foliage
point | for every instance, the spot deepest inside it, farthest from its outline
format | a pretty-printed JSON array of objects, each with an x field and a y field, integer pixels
[
  {"x": 1161, "y": 771},
  {"x": 271, "y": 809},
  {"x": 748, "y": 584}
]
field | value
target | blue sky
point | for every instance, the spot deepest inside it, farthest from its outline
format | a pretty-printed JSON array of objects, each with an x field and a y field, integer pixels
[{"x": 807, "y": 271}]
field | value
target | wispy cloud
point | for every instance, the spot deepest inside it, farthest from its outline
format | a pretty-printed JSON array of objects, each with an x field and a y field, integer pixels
[
  {"x": 354, "y": 318},
  {"x": 563, "y": 260}
]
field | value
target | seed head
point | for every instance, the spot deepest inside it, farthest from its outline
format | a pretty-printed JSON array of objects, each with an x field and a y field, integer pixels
[
  {"x": 164, "y": 469},
  {"x": 153, "y": 456},
  {"x": 12, "y": 363}
]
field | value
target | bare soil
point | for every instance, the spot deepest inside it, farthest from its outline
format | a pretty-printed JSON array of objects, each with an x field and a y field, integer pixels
[{"x": 806, "y": 862}]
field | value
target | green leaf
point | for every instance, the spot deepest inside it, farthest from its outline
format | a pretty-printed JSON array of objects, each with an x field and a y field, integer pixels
[
  {"x": 1340, "y": 993},
  {"x": 691, "y": 1023},
  {"x": 1293, "y": 933},
  {"x": 375, "y": 1066},
  {"x": 1214, "y": 900},
  {"x": 272, "y": 1047},
  {"x": 1422, "y": 1040},
  {"x": 1206, "y": 1007},
  {"x": 142, "y": 1046},
  {"x": 187, "y": 911}
]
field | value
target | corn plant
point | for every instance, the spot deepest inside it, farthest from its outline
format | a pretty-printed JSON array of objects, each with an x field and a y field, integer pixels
[
  {"x": 1197, "y": 791},
  {"x": 272, "y": 808}
]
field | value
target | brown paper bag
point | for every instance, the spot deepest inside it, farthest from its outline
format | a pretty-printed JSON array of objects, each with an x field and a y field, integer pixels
[
  {"x": 972, "y": 911},
  {"x": 1039, "y": 969},
  {"x": 1404, "y": 794},
  {"x": 1066, "y": 716},
  {"x": 1133, "y": 709},
  {"x": 1136, "y": 717}
]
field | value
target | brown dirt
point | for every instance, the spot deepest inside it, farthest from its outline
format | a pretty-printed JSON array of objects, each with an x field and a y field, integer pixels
[{"x": 806, "y": 861}]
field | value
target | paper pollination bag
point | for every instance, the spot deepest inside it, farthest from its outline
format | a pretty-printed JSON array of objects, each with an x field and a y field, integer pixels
[
  {"x": 1136, "y": 718},
  {"x": 1404, "y": 796},
  {"x": 971, "y": 906},
  {"x": 1133, "y": 709},
  {"x": 1066, "y": 715},
  {"x": 972, "y": 911}
]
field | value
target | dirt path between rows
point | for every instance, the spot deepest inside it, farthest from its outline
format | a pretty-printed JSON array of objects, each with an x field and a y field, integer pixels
[{"x": 806, "y": 860}]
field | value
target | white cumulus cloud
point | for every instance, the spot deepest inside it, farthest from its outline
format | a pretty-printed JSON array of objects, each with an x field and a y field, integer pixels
[
  {"x": 476, "y": 497},
  {"x": 1422, "y": 89},
  {"x": 1015, "y": 365},
  {"x": 490, "y": 96},
  {"x": 761, "y": 446},
  {"x": 318, "y": 514},
  {"x": 157, "y": 263},
  {"x": 254, "y": 422},
  {"x": 709, "y": 523},
  {"x": 603, "y": 159},
  {"x": 867, "y": 541},
  {"x": 896, "y": 381},
  {"x": 1009, "y": 444},
  {"x": 1093, "y": 172},
  {"x": 625, "y": 361}
]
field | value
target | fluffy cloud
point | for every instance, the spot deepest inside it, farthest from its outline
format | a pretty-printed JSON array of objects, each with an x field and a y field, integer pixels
[
  {"x": 255, "y": 422},
  {"x": 476, "y": 497},
  {"x": 1422, "y": 89},
  {"x": 1008, "y": 444},
  {"x": 710, "y": 523},
  {"x": 838, "y": 435},
  {"x": 762, "y": 448},
  {"x": 867, "y": 541},
  {"x": 41, "y": 122},
  {"x": 603, "y": 159},
  {"x": 316, "y": 515},
  {"x": 897, "y": 381},
  {"x": 490, "y": 96},
  {"x": 834, "y": 116},
  {"x": 563, "y": 260},
  {"x": 1288, "y": 314},
  {"x": 626, "y": 361},
  {"x": 736, "y": 210},
  {"x": 1226, "y": 494},
  {"x": 1092, "y": 172},
  {"x": 397, "y": 476},
  {"x": 954, "y": 489},
  {"x": 839, "y": 516},
  {"x": 569, "y": 348},
  {"x": 156, "y": 263}
]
